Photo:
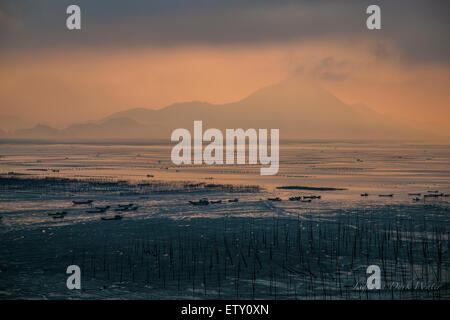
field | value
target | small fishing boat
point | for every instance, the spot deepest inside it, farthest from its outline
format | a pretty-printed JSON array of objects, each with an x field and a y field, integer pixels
[
  {"x": 414, "y": 194},
  {"x": 364, "y": 194},
  {"x": 233, "y": 200},
  {"x": 295, "y": 198},
  {"x": 274, "y": 199},
  {"x": 116, "y": 217},
  {"x": 57, "y": 213},
  {"x": 103, "y": 208},
  {"x": 386, "y": 195},
  {"x": 433, "y": 195},
  {"x": 216, "y": 201},
  {"x": 312, "y": 197},
  {"x": 99, "y": 210},
  {"x": 132, "y": 208},
  {"x": 201, "y": 202},
  {"x": 83, "y": 202}
]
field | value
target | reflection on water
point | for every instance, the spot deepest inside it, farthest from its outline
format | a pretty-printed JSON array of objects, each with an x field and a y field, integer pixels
[
  {"x": 356, "y": 166},
  {"x": 370, "y": 168}
]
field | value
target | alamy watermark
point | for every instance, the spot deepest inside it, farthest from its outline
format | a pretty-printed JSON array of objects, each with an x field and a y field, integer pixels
[
  {"x": 74, "y": 280},
  {"x": 73, "y": 21},
  {"x": 373, "y": 282},
  {"x": 235, "y": 147}
]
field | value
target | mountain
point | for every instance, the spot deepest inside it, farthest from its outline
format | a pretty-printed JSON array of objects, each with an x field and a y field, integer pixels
[
  {"x": 142, "y": 114},
  {"x": 39, "y": 131},
  {"x": 298, "y": 108},
  {"x": 107, "y": 129}
]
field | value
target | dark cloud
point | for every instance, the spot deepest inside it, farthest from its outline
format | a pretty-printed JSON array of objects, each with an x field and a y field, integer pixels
[
  {"x": 330, "y": 69},
  {"x": 418, "y": 28}
]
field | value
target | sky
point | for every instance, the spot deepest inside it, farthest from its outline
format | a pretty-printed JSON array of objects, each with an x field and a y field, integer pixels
[{"x": 149, "y": 54}]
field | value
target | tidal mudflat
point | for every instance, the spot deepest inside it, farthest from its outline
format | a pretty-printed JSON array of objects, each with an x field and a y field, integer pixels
[{"x": 315, "y": 242}]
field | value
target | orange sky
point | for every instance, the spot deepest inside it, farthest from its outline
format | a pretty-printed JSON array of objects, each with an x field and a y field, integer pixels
[{"x": 58, "y": 86}]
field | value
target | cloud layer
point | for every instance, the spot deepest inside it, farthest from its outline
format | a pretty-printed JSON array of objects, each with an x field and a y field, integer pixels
[{"x": 418, "y": 28}]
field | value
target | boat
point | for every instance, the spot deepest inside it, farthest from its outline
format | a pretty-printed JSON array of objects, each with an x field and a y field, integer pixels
[
  {"x": 386, "y": 195},
  {"x": 274, "y": 199},
  {"x": 433, "y": 195},
  {"x": 99, "y": 210},
  {"x": 295, "y": 198},
  {"x": 57, "y": 213},
  {"x": 116, "y": 217},
  {"x": 233, "y": 200},
  {"x": 201, "y": 202},
  {"x": 216, "y": 201},
  {"x": 414, "y": 194},
  {"x": 58, "y": 216},
  {"x": 312, "y": 197},
  {"x": 103, "y": 208},
  {"x": 364, "y": 194},
  {"x": 83, "y": 202},
  {"x": 126, "y": 207}
]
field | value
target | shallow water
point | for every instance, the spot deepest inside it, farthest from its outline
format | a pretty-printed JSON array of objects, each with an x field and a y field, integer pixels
[
  {"x": 349, "y": 165},
  {"x": 406, "y": 237}
]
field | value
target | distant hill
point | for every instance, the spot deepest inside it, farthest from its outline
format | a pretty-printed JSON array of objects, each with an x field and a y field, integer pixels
[
  {"x": 299, "y": 109},
  {"x": 39, "y": 131}
]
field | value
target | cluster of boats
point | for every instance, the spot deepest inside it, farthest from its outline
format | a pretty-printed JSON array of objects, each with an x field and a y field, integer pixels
[
  {"x": 298, "y": 198},
  {"x": 98, "y": 209},
  {"x": 127, "y": 207},
  {"x": 205, "y": 201},
  {"x": 428, "y": 194}
]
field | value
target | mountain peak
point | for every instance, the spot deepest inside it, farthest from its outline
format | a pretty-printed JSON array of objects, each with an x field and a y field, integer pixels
[{"x": 300, "y": 108}]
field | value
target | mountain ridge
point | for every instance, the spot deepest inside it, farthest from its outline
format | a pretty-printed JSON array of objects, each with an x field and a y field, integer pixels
[{"x": 301, "y": 110}]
